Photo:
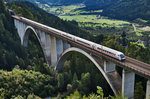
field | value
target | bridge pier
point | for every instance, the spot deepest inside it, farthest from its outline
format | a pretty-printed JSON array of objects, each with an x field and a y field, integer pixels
[
  {"x": 128, "y": 79},
  {"x": 65, "y": 45},
  {"x": 47, "y": 49},
  {"x": 53, "y": 51},
  {"x": 109, "y": 66},
  {"x": 43, "y": 41},
  {"x": 148, "y": 90},
  {"x": 25, "y": 41},
  {"x": 59, "y": 44},
  {"x": 20, "y": 29}
]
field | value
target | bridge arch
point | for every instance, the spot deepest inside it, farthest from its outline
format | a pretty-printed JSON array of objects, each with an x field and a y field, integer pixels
[
  {"x": 26, "y": 35},
  {"x": 25, "y": 38},
  {"x": 69, "y": 51}
]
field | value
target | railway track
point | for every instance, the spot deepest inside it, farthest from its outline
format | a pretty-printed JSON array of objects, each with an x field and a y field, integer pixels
[
  {"x": 138, "y": 63},
  {"x": 138, "y": 66}
]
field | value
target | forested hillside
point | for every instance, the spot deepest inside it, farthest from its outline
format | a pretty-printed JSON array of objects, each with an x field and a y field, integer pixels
[
  {"x": 102, "y": 3},
  {"x": 11, "y": 52},
  {"x": 13, "y": 55}
]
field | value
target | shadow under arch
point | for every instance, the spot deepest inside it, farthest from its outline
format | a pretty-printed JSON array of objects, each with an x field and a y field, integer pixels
[
  {"x": 69, "y": 51},
  {"x": 27, "y": 32},
  {"x": 26, "y": 35}
]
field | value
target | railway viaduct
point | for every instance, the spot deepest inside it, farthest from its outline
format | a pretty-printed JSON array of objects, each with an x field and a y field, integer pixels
[{"x": 58, "y": 47}]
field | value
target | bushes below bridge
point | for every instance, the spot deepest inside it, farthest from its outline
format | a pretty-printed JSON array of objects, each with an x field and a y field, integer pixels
[{"x": 23, "y": 83}]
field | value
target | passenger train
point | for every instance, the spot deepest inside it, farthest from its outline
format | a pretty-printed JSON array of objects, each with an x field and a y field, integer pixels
[{"x": 97, "y": 47}]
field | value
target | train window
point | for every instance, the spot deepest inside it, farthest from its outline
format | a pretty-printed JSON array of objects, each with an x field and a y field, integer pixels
[
  {"x": 94, "y": 46},
  {"x": 112, "y": 53},
  {"x": 99, "y": 48},
  {"x": 122, "y": 56}
]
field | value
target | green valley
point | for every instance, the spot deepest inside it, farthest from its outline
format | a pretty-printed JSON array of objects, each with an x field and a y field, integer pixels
[
  {"x": 91, "y": 21},
  {"x": 94, "y": 21},
  {"x": 24, "y": 72}
]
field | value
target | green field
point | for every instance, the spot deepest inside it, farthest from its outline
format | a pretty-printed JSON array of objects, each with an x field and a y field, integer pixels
[
  {"x": 72, "y": 12},
  {"x": 93, "y": 19}
]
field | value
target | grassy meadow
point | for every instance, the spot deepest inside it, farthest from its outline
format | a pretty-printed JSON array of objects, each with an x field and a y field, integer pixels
[
  {"x": 75, "y": 12},
  {"x": 94, "y": 19}
]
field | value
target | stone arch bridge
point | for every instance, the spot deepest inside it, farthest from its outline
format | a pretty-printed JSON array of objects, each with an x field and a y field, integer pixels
[{"x": 57, "y": 48}]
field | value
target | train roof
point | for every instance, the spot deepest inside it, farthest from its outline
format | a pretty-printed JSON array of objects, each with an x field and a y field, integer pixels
[{"x": 112, "y": 50}]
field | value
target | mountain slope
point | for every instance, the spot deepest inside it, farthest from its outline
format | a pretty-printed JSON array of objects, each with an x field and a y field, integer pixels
[
  {"x": 119, "y": 9},
  {"x": 93, "y": 3},
  {"x": 129, "y": 9},
  {"x": 11, "y": 52},
  {"x": 34, "y": 13}
]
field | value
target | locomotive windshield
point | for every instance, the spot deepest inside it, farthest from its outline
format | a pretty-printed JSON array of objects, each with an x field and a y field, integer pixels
[{"x": 122, "y": 56}]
